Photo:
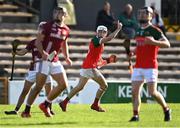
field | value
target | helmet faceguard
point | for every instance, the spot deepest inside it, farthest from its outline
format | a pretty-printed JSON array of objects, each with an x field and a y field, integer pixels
[
  {"x": 101, "y": 28},
  {"x": 101, "y": 31},
  {"x": 144, "y": 15}
]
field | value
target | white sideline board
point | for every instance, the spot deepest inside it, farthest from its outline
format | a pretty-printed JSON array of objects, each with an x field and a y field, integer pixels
[{"x": 86, "y": 96}]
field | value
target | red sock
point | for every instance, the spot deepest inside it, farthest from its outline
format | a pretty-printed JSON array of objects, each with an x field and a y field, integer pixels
[
  {"x": 165, "y": 108},
  {"x": 135, "y": 113},
  {"x": 96, "y": 101},
  {"x": 66, "y": 100},
  {"x": 50, "y": 106},
  {"x": 27, "y": 109}
]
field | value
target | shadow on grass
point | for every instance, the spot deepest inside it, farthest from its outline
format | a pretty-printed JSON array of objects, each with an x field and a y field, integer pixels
[
  {"x": 9, "y": 117},
  {"x": 43, "y": 123}
]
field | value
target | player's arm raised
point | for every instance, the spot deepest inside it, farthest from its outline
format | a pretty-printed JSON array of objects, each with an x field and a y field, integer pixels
[
  {"x": 65, "y": 51},
  {"x": 113, "y": 34}
]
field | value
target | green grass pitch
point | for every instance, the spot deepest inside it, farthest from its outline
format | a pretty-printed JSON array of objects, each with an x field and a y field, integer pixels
[{"x": 80, "y": 116}]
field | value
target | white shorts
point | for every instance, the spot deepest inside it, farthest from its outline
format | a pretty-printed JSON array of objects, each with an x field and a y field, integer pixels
[
  {"x": 90, "y": 72},
  {"x": 31, "y": 77},
  {"x": 47, "y": 67},
  {"x": 140, "y": 74}
]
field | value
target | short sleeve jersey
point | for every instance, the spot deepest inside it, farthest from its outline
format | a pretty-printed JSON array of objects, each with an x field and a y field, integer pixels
[
  {"x": 55, "y": 36},
  {"x": 34, "y": 51},
  {"x": 94, "y": 54},
  {"x": 146, "y": 54}
]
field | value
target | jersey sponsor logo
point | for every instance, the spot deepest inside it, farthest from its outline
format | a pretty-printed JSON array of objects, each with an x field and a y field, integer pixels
[
  {"x": 140, "y": 41},
  {"x": 35, "y": 49},
  {"x": 54, "y": 29},
  {"x": 143, "y": 33},
  {"x": 140, "y": 33},
  {"x": 146, "y": 33},
  {"x": 54, "y": 25},
  {"x": 62, "y": 37}
]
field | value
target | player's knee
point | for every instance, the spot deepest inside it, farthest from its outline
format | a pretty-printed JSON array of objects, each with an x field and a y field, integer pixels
[
  {"x": 63, "y": 86},
  {"x": 153, "y": 93},
  {"x": 79, "y": 88},
  {"x": 104, "y": 87}
]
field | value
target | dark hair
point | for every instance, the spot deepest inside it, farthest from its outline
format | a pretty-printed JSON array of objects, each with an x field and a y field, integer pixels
[
  {"x": 106, "y": 2},
  {"x": 156, "y": 14},
  {"x": 148, "y": 9},
  {"x": 61, "y": 8},
  {"x": 58, "y": 8}
]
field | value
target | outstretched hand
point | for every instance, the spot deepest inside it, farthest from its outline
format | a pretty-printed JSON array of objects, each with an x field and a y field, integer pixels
[
  {"x": 45, "y": 56},
  {"x": 119, "y": 25},
  {"x": 112, "y": 59}
]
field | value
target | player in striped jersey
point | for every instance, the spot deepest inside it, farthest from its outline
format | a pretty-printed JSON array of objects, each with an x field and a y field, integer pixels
[
  {"x": 31, "y": 76},
  {"x": 50, "y": 41}
]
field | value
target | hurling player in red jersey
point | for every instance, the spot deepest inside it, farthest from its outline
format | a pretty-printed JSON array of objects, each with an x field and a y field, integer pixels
[
  {"x": 148, "y": 40},
  {"x": 90, "y": 66},
  {"x": 49, "y": 42},
  {"x": 31, "y": 76}
]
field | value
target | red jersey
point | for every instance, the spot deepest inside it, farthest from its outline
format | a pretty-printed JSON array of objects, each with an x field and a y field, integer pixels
[
  {"x": 146, "y": 54},
  {"x": 34, "y": 51},
  {"x": 94, "y": 55},
  {"x": 55, "y": 35}
]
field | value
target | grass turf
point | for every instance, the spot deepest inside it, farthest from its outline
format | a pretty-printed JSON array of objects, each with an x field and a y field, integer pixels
[{"x": 117, "y": 115}]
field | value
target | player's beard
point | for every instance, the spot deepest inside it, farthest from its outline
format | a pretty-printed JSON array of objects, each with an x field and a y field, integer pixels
[{"x": 58, "y": 21}]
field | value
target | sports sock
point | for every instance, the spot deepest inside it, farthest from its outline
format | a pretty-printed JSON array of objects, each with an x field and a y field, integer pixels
[
  {"x": 135, "y": 113},
  {"x": 27, "y": 109},
  {"x": 50, "y": 106},
  {"x": 165, "y": 108},
  {"x": 96, "y": 101},
  {"x": 66, "y": 100},
  {"x": 16, "y": 109}
]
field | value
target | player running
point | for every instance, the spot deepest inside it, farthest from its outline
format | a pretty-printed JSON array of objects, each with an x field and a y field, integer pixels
[
  {"x": 148, "y": 40},
  {"x": 30, "y": 78},
  {"x": 91, "y": 63},
  {"x": 50, "y": 41}
]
